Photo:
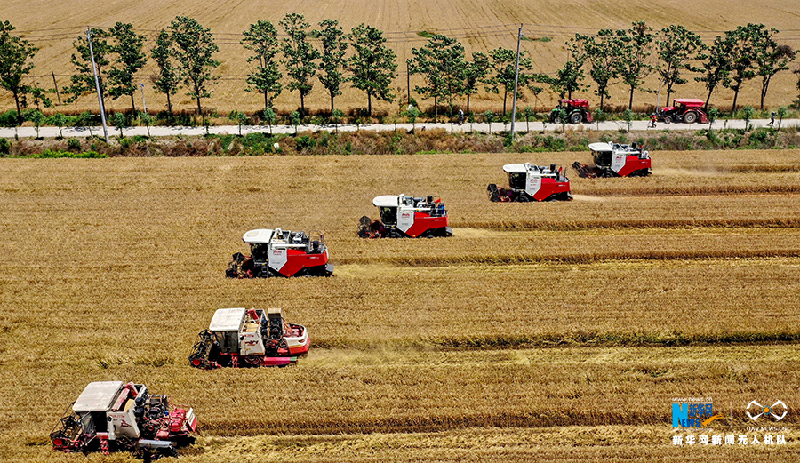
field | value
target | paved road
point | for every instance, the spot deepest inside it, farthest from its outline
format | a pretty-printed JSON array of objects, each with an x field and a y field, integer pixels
[{"x": 161, "y": 131}]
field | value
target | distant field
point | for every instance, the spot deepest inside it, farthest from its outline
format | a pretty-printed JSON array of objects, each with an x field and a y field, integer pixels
[
  {"x": 479, "y": 25},
  {"x": 538, "y": 331}
]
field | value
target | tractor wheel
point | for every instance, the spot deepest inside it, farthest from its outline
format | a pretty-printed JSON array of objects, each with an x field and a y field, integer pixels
[
  {"x": 667, "y": 120},
  {"x": 557, "y": 120},
  {"x": 690, "y": 117},
  {"x": 575, "y": 118}
]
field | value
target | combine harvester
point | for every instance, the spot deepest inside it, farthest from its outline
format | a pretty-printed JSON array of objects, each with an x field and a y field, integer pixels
[
  {"x": 528, "y": 182},
  {"x": 616, "y": 160},
  {"x": 239, "y": 337},
  {"x": 281, "y": 253},
  {"x": 114, "y": 416},
  {"x": 406, "y": 216}
]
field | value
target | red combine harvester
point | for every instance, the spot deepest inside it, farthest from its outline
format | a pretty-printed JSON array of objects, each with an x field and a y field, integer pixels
[
  {"x": 684, "y": 110},
  {"x": 406, "y": 216},
  {"x": 239, "y": 337},
  {"x": 111, "y": 415},
  {"x": 528, "y": 182},
  {"x": 616, "y": 160},
  {"x": 281, "y": 253},
  {"x": 571, "y": 111}
]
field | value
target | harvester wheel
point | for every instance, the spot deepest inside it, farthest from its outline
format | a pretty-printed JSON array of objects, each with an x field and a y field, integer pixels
[
  {"x": 690, "y": 117},
  {"x": 575, "y": 118}
]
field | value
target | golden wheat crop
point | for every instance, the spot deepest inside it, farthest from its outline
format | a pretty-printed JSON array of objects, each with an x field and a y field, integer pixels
[{"x": 535, "y": 328}]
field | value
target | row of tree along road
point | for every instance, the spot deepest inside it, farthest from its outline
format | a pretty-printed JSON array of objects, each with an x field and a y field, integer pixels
[{"x": 184, "y": 55}]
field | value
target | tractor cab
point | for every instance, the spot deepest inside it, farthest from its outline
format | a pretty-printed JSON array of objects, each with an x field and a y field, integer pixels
[{"x": 403, "y": 215}]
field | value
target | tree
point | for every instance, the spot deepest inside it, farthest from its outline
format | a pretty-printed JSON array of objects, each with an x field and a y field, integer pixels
[
  {"x": 474, "y": 73},
  {"x": 295, "y": 116},
  {"x": 118, "y": 119},
  {"x": 713, "y": 113},
  {"x": 714, "y": 66},
  {"x": 144, "y": 117},
  {"x": 238, "y": 117},
  {"x": 627, "y": 116},
  {"x": 747, "y": 114},
  {"x": 262, "y": 39},
  {"x": 334, "y": 47},
  {"x": 442, "y": 64},
  {"x": 336, "y": 116},
  {"x": 59, "y": 120},
  {"x": 676, "y": 46},
  {"x": 412, "y": 113},
  {"x": 488, "y": 117},
  {"x": 568, "y": 78},
  {"x": 502, "y": 71},
  {"x": 528, "y": 112},
  {"x": 741, "y": 56},
  {"x": 300, "y": 56},
  {"x": 269, "y": 118},
  {"x": 602, "y": 53},
  {"x": 83, "y": 82},
  {"x": 599, "y": 116},
  {"x": 372, "y": 64},
  {"x": 194, "y": 50},
  {"x": 782, "y": 112},
  {"x": 635, "y": 45},
  {"x": 130, "y": 58},
  {"x": 35, "y": 116},
  {"x": 167, "y": 81},
  {"x": 16, "y": 56},
  {"x": 769, "y": 57}
]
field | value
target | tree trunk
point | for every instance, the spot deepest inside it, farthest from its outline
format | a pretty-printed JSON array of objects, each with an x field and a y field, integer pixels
[
  {"x": 169, "y": 104},
  {"x": 708, "y": 99},
  {"x": 133, "y": 105},
  {"x": 764, "y": 87},
  {"x": 735, "y": 97},
  {"x": 19, "y": 111},
  {"x": 630, "y": 101},
  {"x": 266, "y": 100},
  {"x": 199, "y": 109},
  {"x": 569, "y": 94},
  {"x": 467, "y": 103},
  {"x": 302, "y": 105},
  {"x": 369, "y": 104},
  {"x": 505, "y": 98},
  {"x": 602, "y": 99}
]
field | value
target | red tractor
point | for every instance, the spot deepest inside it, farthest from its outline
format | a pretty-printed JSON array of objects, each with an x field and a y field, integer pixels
[
  {"x": 406, "y": 216},
  {"x": 616, "y": 160},
  {"x": 239, "y": 337},
  {"x": 112, "y": 415},
  {"x": 688, "y": 111},
  {"x": 281, "y": 253},
  {"x": 528, "y": 182},
  {"x": 571, "y": 111}
]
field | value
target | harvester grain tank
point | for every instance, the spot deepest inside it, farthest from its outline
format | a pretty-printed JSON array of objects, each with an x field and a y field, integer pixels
[
  {"x": 529, "y": 182},
  {"x": 616, "y": 160},
  {"x": 239, "y": 337},
  {"x": 406, "y": 216},
  {"x": 115, "y": 416},
  {"x": 281, "y": 253}
]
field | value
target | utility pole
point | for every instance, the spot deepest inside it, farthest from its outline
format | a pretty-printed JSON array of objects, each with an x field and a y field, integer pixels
[
  {"x": 408, "y": 80},
  {"x": 55, "y": 84},
  {"x": 516, "y": 79},
  {"x": 144, "y": 103},
  {"x": 97, "y": 84}
]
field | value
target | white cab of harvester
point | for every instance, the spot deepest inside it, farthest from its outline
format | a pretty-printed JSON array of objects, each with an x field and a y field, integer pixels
[{"x": 111, "y": 398}]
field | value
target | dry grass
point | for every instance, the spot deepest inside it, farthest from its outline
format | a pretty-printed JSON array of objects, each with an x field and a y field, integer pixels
[
  {"x": 111, "y": 266},
  {"x": 478, "y": 24}
]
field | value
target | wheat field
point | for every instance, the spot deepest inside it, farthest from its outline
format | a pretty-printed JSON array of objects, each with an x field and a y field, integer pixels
[
  {"x": 479, "y": 25},
  {"x": 538, "y": 331}
]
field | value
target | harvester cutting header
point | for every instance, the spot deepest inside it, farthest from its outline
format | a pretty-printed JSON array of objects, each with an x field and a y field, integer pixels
[
  {"x": 616, "y": 160},
  {"x": 528, "y": 182},
  {"x": 281, "y": 253},
  {"x": 406, "y": 216}
]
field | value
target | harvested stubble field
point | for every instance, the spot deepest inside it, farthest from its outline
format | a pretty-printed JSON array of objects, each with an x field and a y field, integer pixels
[{"x": 539, "y": 331}]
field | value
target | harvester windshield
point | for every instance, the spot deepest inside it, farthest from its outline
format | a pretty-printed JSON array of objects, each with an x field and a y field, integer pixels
[{"x": 389, "y": 215}]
